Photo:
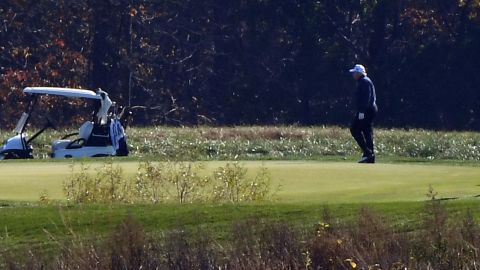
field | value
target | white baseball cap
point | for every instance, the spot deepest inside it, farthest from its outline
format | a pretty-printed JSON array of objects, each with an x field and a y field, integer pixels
[{"x": 358, "y": 69}]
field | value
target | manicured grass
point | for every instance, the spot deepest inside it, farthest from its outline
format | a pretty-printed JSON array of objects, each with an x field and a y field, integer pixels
[
  {"x": 398, "y": 190},
  {"x": 300, "y": 181}
]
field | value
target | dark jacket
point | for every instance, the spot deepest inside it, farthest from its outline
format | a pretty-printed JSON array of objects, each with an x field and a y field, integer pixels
[{"x": 365, "y": 95}]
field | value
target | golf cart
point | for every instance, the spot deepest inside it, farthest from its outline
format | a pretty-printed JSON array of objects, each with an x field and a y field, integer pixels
[{"x": 103, "y": 136}]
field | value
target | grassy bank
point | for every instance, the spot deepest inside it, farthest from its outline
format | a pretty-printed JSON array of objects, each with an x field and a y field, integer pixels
[
  {"x": 411, "y": 235},
  {"x": 34, "y": 224}
]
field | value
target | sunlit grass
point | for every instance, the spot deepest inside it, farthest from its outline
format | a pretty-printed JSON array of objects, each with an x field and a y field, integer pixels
[{"x": 300, "y": 181}]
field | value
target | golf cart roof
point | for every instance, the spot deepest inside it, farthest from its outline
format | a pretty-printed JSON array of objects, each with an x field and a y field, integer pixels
[{"x": 66, "y": 92}]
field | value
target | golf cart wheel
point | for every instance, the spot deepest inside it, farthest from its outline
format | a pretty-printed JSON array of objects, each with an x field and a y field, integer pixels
[
  {"x": 101, "y": 155},
  {"x": 17, "y": 154}
]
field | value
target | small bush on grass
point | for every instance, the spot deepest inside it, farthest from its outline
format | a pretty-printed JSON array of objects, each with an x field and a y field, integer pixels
[
  {"x": 44, "y": 197},
  {"x": 170, "y": 181},
  {"x": 188, "y": 185},
  {"x": 149, "y": 182},
  {"x": 106, "y": 185},
  {"x": 232, "y": 184}
]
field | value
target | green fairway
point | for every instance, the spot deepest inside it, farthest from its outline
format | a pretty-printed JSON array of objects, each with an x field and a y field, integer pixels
[
  {"x": 306, "y": 186},
  {"x": 300, "y": 181}
]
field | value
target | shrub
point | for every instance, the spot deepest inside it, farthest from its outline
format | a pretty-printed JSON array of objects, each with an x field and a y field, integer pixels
[
  {"x": 107, "y": 185},
  {"x": 44, "y": 197},
  {"x": 150, "y": 181},
  {"x": 170, "y": 181},
  {"x": 188, "y": 185},
  {"x": 160, "y": 182},
  {"x": 231, "y": 183}
]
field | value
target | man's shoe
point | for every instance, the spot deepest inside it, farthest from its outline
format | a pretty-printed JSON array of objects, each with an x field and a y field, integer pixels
[
  {"x": 367, "y": 159},
  {"x": 364, "y": 159}
]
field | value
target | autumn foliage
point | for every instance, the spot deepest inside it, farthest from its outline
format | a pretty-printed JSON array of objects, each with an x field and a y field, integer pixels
[{"x": 247, "y": 62}]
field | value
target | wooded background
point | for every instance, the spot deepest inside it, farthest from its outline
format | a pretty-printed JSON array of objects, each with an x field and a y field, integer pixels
[{"x": 247, "y": 62}]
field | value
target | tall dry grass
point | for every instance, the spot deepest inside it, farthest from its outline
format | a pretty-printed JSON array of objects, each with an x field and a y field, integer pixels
[{"x": 283, "y": 142}]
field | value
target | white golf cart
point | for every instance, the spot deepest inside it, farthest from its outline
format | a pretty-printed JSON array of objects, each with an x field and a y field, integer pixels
[{"x": 103, "y": 136}]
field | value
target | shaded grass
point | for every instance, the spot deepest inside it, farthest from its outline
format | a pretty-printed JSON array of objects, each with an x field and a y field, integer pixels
[
  {"x": 27, "y": 225},
  {"x": 370, "y": 237}
]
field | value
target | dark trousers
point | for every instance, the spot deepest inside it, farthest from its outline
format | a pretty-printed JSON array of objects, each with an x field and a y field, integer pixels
[{"x": 362, "y": 131}]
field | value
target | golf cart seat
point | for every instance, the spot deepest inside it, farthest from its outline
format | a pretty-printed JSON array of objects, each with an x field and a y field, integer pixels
[
  {"x": 100, "y": 135},
  {"x": 83, "y": 135}
]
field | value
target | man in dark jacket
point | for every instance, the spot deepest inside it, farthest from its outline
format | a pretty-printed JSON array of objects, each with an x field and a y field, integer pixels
[{"x": 366, "y": 110}]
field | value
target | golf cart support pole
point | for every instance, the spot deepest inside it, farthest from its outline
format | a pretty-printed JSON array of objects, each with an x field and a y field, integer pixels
[{"x": 31, "y": 104}]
